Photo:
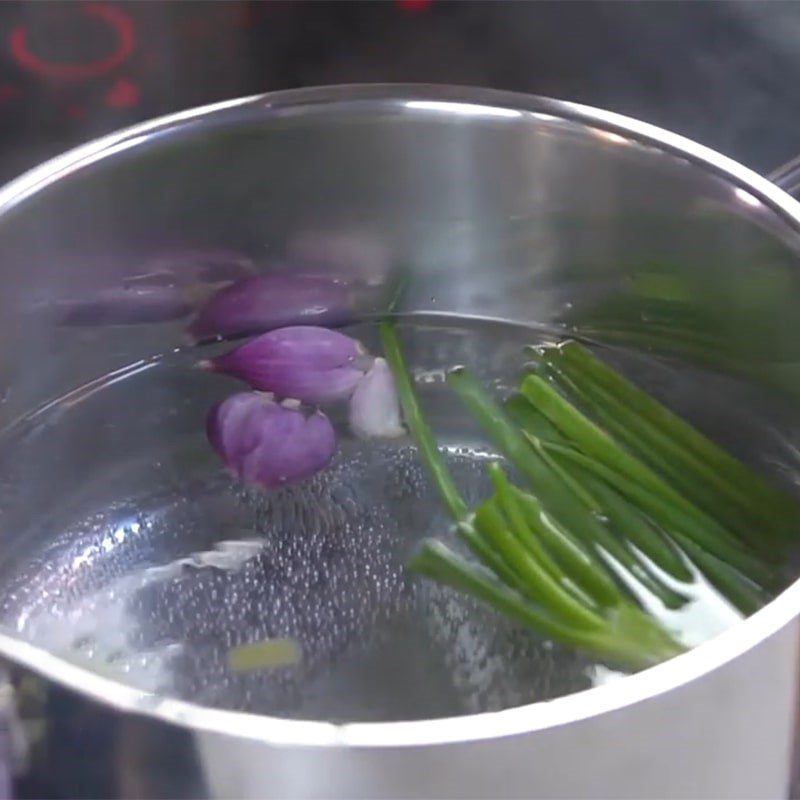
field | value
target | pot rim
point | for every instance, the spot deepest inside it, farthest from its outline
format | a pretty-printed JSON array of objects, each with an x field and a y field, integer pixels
[{"x": 444, "y": 100}]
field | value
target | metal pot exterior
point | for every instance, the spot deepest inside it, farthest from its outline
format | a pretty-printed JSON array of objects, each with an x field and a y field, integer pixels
[{"x": 726, "y": 734}]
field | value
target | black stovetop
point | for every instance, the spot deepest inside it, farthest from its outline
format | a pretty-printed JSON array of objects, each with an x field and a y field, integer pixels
[{"x": 723, "y": 73}]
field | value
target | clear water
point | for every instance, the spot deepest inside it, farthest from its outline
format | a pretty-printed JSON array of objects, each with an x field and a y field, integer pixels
[{"x": 148, "y": 564}]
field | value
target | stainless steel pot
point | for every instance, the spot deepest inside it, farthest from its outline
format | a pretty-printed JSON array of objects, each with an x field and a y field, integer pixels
[{"x": 500, "y": 206}]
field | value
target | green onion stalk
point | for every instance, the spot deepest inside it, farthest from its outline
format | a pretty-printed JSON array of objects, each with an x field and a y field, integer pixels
[{"x": 541, "y": 554}]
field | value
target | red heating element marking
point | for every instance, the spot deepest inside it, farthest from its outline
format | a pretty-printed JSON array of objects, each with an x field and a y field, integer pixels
[
  {"x": 414, "y": 6},
  {"x": 126, "y": 42},
  {"x": 123, "y": 94}
]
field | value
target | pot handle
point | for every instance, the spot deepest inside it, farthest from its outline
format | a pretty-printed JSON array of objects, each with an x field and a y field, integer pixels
[{"x": 787, "y": 176}]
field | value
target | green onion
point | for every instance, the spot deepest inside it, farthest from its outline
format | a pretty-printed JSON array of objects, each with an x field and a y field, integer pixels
[
  {"x": 706, "y": 474},
  {"x": 629, "y": 636},
  {"x": 484, "y": 552},
  {"x": 579, "y": 563},
  {"x": 530, "y": 420},
  {"x": 598, "y": 445},
  {"x": 417, "y": 424},
  {"x": 518, "y": 523},
  {"x": 605, "y": 508},
  {"x": 556, "y": 496},
  {"x": 630, "y": 524},
  {"x": 740, "y": 592},
  {"x": 637, "y": 528},
  {"x": 670, "y": 518},
  {"x": 533, "y": 581},
  {"x": 437, "y": 561}
]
